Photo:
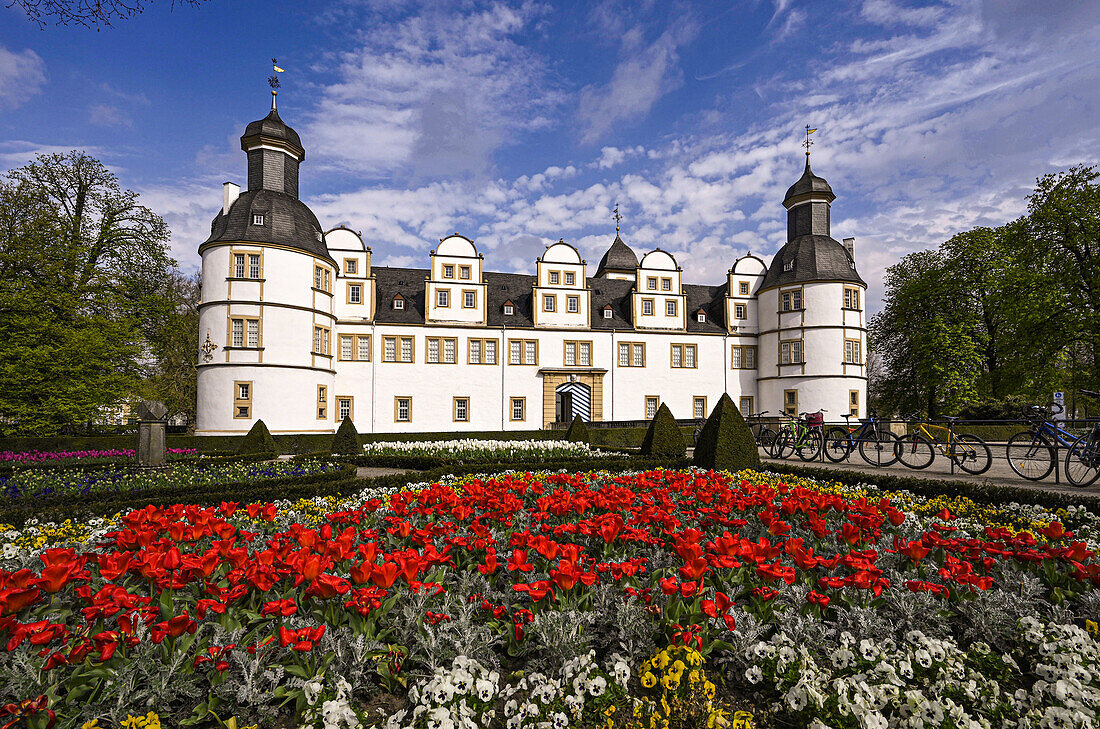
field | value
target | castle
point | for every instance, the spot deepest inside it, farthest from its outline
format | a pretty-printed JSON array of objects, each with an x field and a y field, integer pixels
[{"x": 300, "y": 329}]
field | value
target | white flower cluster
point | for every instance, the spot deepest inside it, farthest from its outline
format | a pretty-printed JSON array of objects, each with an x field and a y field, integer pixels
[
  {"x": 470, "y": 447},
  {"x": 334, "y": 713},
  {"x": 461, "y": 697},
  {"x": 1067, "y": 662}
]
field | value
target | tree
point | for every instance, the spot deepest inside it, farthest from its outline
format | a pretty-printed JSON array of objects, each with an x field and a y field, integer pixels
[
  {"x": 663, "y": 438},
  {"x": 173, "y": 346},
  {"x": 84, "y": 272},
  {"x": 87, "y": 13}
]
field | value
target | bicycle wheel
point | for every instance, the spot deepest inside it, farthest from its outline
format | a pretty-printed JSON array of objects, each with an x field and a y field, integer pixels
[
  {"x": 783, "y": 447},
  {"x": 837, "y": 444},
  {"x": 878, "y": 448},
  {"x": 915, "y": 451},
  {"x": 810, "y": 447},
  {"x": 766, "y": 439},
  {"x": 1083, "y": 461},
  {"x": 1030, "y": 455},
  {"x": 970, "y": 453}
]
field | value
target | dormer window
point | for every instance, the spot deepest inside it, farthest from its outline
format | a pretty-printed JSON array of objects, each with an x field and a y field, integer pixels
[
  {"x": 316, "y": 234},
  {"x": 788, "y": 266},
  {"x": 509, "y": 309},
  {"x": 398, "y": 302},
  {"x": 607, "y": 312},
  {"x": 700, "y": 316},
  {"x": 257, "y": 219}
]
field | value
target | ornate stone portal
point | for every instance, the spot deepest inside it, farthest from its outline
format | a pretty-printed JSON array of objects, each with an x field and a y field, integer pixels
[{"x": 152, "y": 449}]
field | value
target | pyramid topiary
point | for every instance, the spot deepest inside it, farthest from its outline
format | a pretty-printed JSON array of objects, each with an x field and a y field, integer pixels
[
  {"x": 663, "y": 437},
  {"x": 258, "y": 440},
  {"x": 726, "y": 443},
  {"x": 578, "y": 431},
  {"x": 346, "y": 441}
]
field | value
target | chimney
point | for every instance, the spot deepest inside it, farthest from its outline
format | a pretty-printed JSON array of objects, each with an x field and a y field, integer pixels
[
  {"x": 850, "y": 244},
  {"x": 230, "y": 192}
]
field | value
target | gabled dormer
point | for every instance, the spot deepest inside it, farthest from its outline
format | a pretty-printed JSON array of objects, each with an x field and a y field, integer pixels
[
  {"x": 560, "y": 296},
  {"x": 658, "y": 298},
  {"x": 742, "y": 282},
  {"x": 356, "y": 289},
  {"x": 455, "y": 289}
]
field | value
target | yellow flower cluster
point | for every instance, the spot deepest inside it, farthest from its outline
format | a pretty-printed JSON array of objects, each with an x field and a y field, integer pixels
[
  {"x": 151, "y": 721},
  {"x": 686, "y": 694},
  {"x": 37, "y": 536}
]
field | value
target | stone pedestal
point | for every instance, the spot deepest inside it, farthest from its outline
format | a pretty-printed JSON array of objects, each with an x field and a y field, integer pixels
[{"x": 152, "y": 448}]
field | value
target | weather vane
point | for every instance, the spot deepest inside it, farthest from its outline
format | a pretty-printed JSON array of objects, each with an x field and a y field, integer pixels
[
  {"x": 273, "y": 81},
  {"x": 618, "y": 218},
  {"x": 809, "y": 142}
]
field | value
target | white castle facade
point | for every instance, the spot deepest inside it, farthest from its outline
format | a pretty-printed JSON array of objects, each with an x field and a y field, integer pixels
[{"x": 300, "y": 329}]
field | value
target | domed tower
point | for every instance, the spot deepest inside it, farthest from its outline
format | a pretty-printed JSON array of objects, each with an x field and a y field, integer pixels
[
  {"x": 813, "y": 335},
  {"x": 267, "y": 315},
  {"x": 619, "y": 262}
]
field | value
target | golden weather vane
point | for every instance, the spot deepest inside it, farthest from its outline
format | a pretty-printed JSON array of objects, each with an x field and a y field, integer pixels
[
  {"x": 618, "y": 218},
  {"x": 273, "y": 81},
  {"x": 809, "y": 142}
]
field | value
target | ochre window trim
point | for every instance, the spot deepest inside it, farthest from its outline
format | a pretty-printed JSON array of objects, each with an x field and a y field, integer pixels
[
  {"x": 522, "y": 409},
  {"x": 396, "y": 408},
  {"x": 359, "y": 286},
  {"x": 322, "y": 402},
  {"x": 454, "y": 408},
  {"x": 336, "y": 407},
  {"x": 239, "y": 402}
]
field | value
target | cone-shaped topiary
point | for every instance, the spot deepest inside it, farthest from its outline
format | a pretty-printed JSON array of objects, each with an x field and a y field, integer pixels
[
  {"x": 258, "y": 440},
  {"x": 663, "y": 437},
  {"x": 346, "y": 441},
  {"x": 578, "y": 431},
  {"x": 726, "y": 443}
]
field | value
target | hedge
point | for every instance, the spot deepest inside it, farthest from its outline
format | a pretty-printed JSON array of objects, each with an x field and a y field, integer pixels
[
  {"x": 578, "y": 431},
  {"x": 346, "y": 441},
  {"x": 202, "y": 460},
  {"x": 725, "y": 442},
  {"x": 663, "y": 438}
]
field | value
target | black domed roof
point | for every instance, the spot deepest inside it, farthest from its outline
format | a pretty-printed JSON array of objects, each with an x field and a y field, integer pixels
[
  {"x": 807, "y": 184},
  {"x": 811, "y": 258},
  {"x": 287, "y": 222},
  {"x": 273, "y": 128},
  {"x": 619, "y": 257}
]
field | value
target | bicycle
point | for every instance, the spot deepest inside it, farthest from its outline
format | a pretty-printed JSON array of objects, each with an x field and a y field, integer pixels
[
  {"x": 801, "y": 435},
  {"x": 1082, "y": 464},
  {"x": 917, "y": 450},
  {"x": 875, "y": 444},
  {"x": 761, "y": 433},
  {"x": 1032, "y": 453}
]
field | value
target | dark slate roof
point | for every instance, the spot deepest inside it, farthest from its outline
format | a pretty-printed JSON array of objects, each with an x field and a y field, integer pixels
[
  {"x": 618, "y": 257},
  {"x": 809, "y": 182},
  {"x": 409, "y": 282},
  {"x": 287, "y": 221},
  {"x": 514, "y": 287},
  {"x": 611, "y": 291},
  {"x": 712, "y": 300},
  {"x": 816, "y": 258},
  {"x": 272, "y": 127}
]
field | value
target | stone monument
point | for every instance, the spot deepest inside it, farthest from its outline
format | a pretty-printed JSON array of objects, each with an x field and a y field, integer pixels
[{"x": 152, "y": 450}]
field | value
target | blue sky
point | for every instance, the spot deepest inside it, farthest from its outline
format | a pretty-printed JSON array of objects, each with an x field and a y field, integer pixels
[{"x": 519, "y": 123}]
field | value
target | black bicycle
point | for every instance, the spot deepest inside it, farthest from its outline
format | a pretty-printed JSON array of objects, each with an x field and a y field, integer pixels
[
  {"x": 875, "y": 443},
  {"x": 764, "y": 436},
  {"x": 1082, "y": 465}
]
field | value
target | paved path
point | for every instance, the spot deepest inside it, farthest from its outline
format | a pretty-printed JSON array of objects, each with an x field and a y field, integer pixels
[{"x": 372, "y": 471}]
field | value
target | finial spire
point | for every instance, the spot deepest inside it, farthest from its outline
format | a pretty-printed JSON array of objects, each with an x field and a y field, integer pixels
[
  {"x": 808, "y": 143},
  {"x": 273, "y": 82},
  {"x": 618, "y": 218}
]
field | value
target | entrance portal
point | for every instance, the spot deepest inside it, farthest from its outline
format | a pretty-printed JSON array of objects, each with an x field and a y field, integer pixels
[{"x": 572, "y": 399}]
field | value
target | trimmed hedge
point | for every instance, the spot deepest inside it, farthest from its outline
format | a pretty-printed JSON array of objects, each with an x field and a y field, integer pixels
[
  {"x": 578, "y": 431},
  {"x": 258, "y": 440},
  {"x": 346, "y": 441},
  {"x": 201, "y": 460},
  {"x": 725, "y": 441},
  {"x": 663, "y": 437}
]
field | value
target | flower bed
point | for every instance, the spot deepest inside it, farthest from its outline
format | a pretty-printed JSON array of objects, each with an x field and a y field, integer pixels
[
  {"x": 643, "y": 599},
  {"x": 82, "y": 456},
  {"x": 483, "y": 451}
]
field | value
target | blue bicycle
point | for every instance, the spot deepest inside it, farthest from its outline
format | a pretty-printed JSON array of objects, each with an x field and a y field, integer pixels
[
  {"x": 1031, "y": 453},
  {"x": 872, "y": 438}
]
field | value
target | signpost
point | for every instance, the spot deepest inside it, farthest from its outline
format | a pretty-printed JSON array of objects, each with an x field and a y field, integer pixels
[{"x": 1060, "y": 399}]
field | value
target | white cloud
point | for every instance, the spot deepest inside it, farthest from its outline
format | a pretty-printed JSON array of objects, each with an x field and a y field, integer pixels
[
  {"x": 22, "y": 75},
  {"x": 105, "y": 115}
]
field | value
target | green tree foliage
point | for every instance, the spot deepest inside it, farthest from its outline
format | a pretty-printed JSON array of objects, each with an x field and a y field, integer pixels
[
  {"x": 258, "y": 440},
  {"x": 84, "y": 275},
  {"x": 663, "y": 438},
  {"x": 578, "y": 431},
  {"x": 346, "y": 441},
  {"x": 173, "y": 345},
  {"x": 725, "y": 442}
]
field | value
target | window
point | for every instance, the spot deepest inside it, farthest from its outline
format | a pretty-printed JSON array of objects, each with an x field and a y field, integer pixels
[
  {"x": 743, "y": 288},
  {"x": 572, "y": 304},
  {"x": 790, "y": 402},
  {"x": 245, "y": 332},
  {"x": 253, "y": 265},
  {"x": 608, "y": 313},
  {"x": 853, "y": 403},
  {"x": 238, "y": 332},
  {"x": 320, "y": 340},
  {"x": 523, "y": 352},
  {"x": 519, "y": 408},
  {"x": 666, "y": 284},
  {"x": 461, "y": 410},
  {"x": 554, "y": 277},
  {"x": 701, "y": 317},
  {"x": 631, "y": 354},
  {"x": 355, "y": 293},
  {"x": 242, "y": 399},
  {"x": 257, "y": 219},
  {"x": 355, "y": 347},
  {"x": 238, "y": 265},
  {"x": 651, "y": 283},
  {"x": 790, "y": 352},
  {"x": 363, "y": 348},
  {"x": 698, "y": 407},
  {"x": 397, "y": 349},
  {"x": 347, "y": 344},
  {"x": 509, "y": 310},
  {"x": 448, "y": 271},
  {"x": 670, "y": 307},
  {"x": 322, "y": 279},
  {"x": 743, "y": 357},
  {"x": 852, "y": 351},
  {"x": 483, "y": 351},
  {"x": 570, "y": 278},
  {"x": 398, "y": 303},
  {"x": 851, "y": 298},
  {"x": 740, "y": 311},
  {"x": 647, "y": 307},
  {"x": 788, "y": 266},
  {"x": 746, "y": 406},
  {"x": 790, "y": 300},
  {"x": 652, "y": 402},
  {"x": 443, "y": 298},
  {"x": 683, "y": 355},
  {"x": 344, "y": 407},
  {"x": 440, "y": 350},
  {"x": 402, "y": 409},
  {"x": 549, "y": 303},
  {"x": 469, "y": 299},
  {"x": 464, "y": 273},
  {"x": 351, "y": 266},
  {"x": 322, "y": 404},
  {"x": 578, "y": 353}
]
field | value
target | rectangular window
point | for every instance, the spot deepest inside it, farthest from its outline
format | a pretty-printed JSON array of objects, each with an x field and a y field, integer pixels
[
  {"x": 554, "y": 277},
  {"x": 448, "y": 271},
  {"x": 363, "y": 341},
  {"x": 570, "y": 278},
  {"x": 238, "y": 332},
  {"x": 523, "y": 351},
  {"x": 740, "y": 311},
  {"x": 509, "y": 309},
  {"x": 245, "y": 332},
  {"x": 666, "y": 284},
  {"x": 683, "y": 355},
  {"x": 572, "y": 304},
  {"x": 322, "y": 279},
  {"x": 624, "y": 354},
  {"x": 853, "y": 403},
  {"x": 441, "y": 350},
  {"x": 449, "y": 351},
  {"x": 608, "y": 313},
  {"x": 647, "y": 307},
  {"x": 475, "y": 351},
  {"x": 790, "y": 402},
  {"x": 347, "y": 344},
  {"x": 254, "y": 265},
  {"x": 851, "y": 298},
  {"x": 406, "y": 349},
  {"x": 790, "y": 352},
  {"x": 398, "y": 304},
  {"x": 253, "y": 333},
  {"x": 242, "y": 399},
  {"x": 578, "y": 353},
  {"x": 651, "y": 283},
  {"x": 397, "y": 349},
  {"x": 743, "y": 288},
  {"x": 238, "y": 265},
  {"x": 519, "y": 407},
  {"x": 570, "y": 353},
  {"x": 746, "y": 406},
  {"x": 791, "y": 300},
  {"x": 652, "y": 402},
  {"x": 344, "y": 408},
  {"x": 433, "y": 350},
  {"x": 355, "y": 293},
  {"x": 483, "y": 351},
  {"x": 321, "y": 340},
  {"x": 351, "y": 266},
  {"x": 402, "y": 409},
  {"x": 631, "y": 354},
  {"x": 462, "y": 409},
  {"x": 464, "y": 273},
  {"x": 469, "y": 300},
  {"x": 670, "y": 307},
  {"x": 257, "y": 219},
  {"x": 698, "y": 408},
  {"x": 443, "y": 298},
  {"x": 549, "y": 303},
  {"x": 743, "y": 357},
  {"x": 322, "y": 404},
  {"x": 852, "y": 351}
]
